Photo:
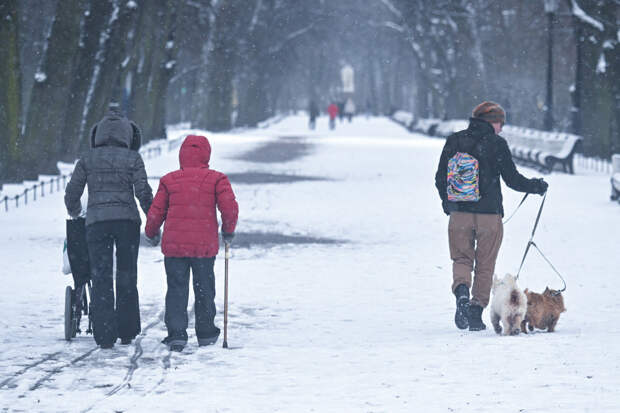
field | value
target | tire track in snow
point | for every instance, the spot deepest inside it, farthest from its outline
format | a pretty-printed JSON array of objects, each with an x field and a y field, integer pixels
[
  {"x": 133, "y": 364},
  {"x": 12, "y": 381},
  {"x": 165, "y": 363},
  {"x": 58, "y": 369},
  {"x": 7, "y": 381},
  {"x": 43, "y": 374}
]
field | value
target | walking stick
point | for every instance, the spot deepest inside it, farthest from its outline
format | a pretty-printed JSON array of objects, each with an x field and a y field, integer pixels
[{"x": 226, "y": 256}]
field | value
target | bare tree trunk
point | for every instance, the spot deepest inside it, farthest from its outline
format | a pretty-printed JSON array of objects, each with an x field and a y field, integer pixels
[
  {"x": 165, "y": 61},
  {"x": 221, "y": 66},
  {"x": 111, "y": 56},
  {"x": 50, "y": 96},
  {"x": 599, "y": 79},
  {"x": 75, "y": 129},
  {"x": 152, "y": 66},
  {"x": 10, "y": 92}
]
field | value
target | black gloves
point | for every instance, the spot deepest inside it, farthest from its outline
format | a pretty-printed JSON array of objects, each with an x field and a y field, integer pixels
[
  {"x": 228, "y": 237},
  {"x": 153, "y": 242},
  {"x": 539, "y": 186}
]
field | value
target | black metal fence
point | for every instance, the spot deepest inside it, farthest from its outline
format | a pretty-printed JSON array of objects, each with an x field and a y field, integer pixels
[{"x": 39, "y": 189}]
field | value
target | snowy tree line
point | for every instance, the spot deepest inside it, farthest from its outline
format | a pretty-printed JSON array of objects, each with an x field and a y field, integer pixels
[{"x": 224, "y": 63}]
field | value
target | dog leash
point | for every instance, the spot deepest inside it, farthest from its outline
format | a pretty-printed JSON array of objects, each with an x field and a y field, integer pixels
[
  {"x": 516, "y": 209},
  {"x": 532, "y": 243}
]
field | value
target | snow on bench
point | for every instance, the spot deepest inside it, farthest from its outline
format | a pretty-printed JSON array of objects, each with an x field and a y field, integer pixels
[
  {"x": 615, "y": 178},
  {"x": 446, "y": 128},
  {"x": 403, "y": 118},
  {"x": 542, "y": 149}
]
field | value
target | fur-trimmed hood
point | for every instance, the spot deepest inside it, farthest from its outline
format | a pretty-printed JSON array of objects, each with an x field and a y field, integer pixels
[{"x": 116, "y": 130}]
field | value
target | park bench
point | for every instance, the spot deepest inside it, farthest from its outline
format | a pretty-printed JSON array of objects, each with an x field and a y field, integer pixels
[
  {"x": 404, "y": 118},
  {"x": 615, "y": 178},
  {"x": 543, "y": 150}
]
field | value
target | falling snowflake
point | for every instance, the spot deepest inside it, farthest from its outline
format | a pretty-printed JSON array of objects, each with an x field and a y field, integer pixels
[
  {"x": 601, "y": 66},
  {"x": 40, "y": 77}
]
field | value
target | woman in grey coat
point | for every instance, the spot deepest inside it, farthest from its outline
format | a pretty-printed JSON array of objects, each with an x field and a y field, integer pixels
[{"x": 114, "y": 171}]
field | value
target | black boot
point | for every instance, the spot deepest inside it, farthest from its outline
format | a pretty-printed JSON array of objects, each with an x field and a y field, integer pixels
[
  {"x": 462, "y": 304},
  {"x": 475, "y": 318}
]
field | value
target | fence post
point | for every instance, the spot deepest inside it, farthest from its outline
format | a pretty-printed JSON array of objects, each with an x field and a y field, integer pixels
[
  {"x": 26, "y": 196},
  {"x": 6, "y": 203},
  {"x": 42, "y": 189},
  {"x": 16, "y": 201},
  {"x": 34, "y": 191}
]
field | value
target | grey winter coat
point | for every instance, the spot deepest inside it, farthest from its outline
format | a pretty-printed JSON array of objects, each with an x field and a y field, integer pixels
[{"x": 114, "y": 171}]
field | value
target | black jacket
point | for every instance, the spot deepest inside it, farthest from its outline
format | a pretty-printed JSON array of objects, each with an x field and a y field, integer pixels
[
  {"x": 113, "y": 172},
  {"x": 494, "y": 159}
]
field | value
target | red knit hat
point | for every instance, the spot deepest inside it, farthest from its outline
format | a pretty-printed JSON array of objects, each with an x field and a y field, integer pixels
[{"x": 490, "y": 111}]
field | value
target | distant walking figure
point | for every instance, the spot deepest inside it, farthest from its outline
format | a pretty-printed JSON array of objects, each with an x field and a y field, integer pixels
[
  {"x": 313, "y": 111},
  {"x": 332, "y": 110},
  {"x": 187, "y": 200},
  {"x": 114, "y": 171},
  {"x": 467, "y": 179},
  {"x": 349, "y": 109},
  {"x": 340, "y": 114}
]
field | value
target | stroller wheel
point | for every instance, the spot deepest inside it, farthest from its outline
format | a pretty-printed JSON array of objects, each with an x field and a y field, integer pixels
[{"x": 69, "y": 313}]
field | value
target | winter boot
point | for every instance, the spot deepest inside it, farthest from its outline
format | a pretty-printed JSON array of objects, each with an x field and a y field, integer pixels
[
  {"x": 207, "y": 341},
  {"x": 462, "y": 304},
  {"x": 177, "y": 347},
  {"x": 475, "y": 318}
]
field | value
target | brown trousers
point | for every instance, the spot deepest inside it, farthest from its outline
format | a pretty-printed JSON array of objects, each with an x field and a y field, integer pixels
[{"x": 474, "y": 243}]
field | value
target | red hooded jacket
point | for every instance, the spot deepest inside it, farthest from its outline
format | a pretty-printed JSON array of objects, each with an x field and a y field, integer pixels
[
  {"x": 187, "y": 199},
  {"x": 332, "y": 109}
]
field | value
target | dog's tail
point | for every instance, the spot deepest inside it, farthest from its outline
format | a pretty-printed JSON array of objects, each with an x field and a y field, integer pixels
[{"x": 515, "y": 297}]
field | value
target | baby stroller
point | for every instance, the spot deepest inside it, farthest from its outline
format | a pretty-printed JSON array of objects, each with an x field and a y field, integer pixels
[{"x": 77, "y": 299}]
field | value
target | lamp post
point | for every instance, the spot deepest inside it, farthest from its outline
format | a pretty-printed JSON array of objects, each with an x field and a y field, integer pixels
[{"x": 551, "y": 6}]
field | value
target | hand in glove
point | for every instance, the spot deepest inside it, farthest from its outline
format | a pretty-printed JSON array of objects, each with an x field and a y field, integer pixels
[
  {"x": 227, "y": 237},
  {"x": 153, "y": 242},
  {"x": 540, "y": 186}
]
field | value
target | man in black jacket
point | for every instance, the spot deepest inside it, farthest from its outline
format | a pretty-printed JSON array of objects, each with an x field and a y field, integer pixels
[
  {"x": 475, "y": 229},
  {"x": 114, "y": 171}
]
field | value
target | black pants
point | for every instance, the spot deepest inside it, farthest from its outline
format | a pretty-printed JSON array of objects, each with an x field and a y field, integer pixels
[
  {"x": 122, "y": 320},
  {"x": 177, "y": 274}
]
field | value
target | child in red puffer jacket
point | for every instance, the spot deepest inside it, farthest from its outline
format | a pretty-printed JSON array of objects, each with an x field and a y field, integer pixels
[{"x": 187, "y": 200}]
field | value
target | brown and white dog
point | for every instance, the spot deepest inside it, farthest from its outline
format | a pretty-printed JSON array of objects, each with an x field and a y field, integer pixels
[
  {"x": 543, "y": 310},
  {"x": 508, "y": 306}
]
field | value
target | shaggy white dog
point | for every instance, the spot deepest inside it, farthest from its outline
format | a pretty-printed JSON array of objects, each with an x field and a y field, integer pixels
[{"x": 509, "y": 305}]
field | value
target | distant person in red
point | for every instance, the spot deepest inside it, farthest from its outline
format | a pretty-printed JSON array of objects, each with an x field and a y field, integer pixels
[
  {"x": 187, "y": 200},
  {"x": 332, "y": 109}
]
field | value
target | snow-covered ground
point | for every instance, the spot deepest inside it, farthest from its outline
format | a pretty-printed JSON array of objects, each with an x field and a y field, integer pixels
[{"x": 364, "y": 325}]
